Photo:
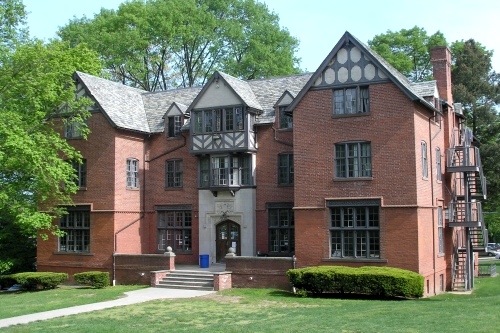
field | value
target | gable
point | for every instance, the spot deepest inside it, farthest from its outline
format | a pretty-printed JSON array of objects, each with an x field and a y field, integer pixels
[
  {"x": 218, "y": 93},
  {"x": 175, "y": 109},
  {"x": 285, "y": 99},
  {"x": 349, "y": 65}
]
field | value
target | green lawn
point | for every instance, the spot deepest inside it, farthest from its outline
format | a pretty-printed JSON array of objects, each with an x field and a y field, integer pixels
[
  {"x": 265, "y": 310},
  {"x": 15, "y": 304}
]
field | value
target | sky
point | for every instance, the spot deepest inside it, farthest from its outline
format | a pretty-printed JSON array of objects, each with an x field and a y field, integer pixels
[{"x": 319, "y": 24}]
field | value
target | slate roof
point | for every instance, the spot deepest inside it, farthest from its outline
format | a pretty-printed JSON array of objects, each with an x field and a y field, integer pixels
[
  {"x": 157, "y": 103},
  {"x": 425, "y": 89},
  {"x": 122, "y": 105}
]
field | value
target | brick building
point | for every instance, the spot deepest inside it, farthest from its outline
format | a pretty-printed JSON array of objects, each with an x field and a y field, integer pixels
[{"x": 349, "y": 165}]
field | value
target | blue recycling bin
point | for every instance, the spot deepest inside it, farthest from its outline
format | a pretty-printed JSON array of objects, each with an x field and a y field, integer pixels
[{"x": 204, "y": 260}]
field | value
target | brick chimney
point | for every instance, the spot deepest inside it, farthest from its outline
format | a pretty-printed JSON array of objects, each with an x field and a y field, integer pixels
[{"x": 441, "y": 67}]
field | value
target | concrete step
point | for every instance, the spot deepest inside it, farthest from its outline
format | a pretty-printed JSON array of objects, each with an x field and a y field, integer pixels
[{"x": 190, "y": 280}]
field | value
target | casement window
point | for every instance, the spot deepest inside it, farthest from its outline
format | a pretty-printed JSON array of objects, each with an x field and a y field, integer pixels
[
  {"x": 76, "y": 227},
  {"x": 438, "y": 165},
  {"x": 132, "y": 173},
  {"x": 285, "y": 169},
  {"x": 349, "y": 101},
  {"x": 285, "y": 120},
  {"x": 174, "y": 126},
  {"x": 219, "y": 120},
  {"x": 355, "y": 230},
  {"x": 175, "y": 230},
  {"x": 440, "y": 229},
  {"x": 353, "y": 160},
  {"x": 173, "y": 173},
  {"x": 281, "y": 230},
  {"x": 226, "y": 170},
  {"x": 73, "y": 130},
  {"x": 424, "y": 159},
  {"x": 81, "y": 173}
]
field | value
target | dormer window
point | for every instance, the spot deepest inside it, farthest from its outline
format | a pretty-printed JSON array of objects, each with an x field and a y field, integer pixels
[
  {"x": 348, "y": 101},
  {"x": 285, "y": 120},
  {"x": 174, "y": 126}
]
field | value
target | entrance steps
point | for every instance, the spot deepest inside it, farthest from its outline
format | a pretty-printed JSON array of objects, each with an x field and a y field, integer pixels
[{"x": 189, "y": 280}]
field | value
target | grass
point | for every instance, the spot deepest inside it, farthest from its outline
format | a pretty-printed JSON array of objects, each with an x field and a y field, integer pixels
[
  {"x": 20, "y": 303},
  {"x": 266, "y": 310}
]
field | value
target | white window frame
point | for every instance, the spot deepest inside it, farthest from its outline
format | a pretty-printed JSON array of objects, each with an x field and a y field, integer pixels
[{"x": 132, "y": 173}]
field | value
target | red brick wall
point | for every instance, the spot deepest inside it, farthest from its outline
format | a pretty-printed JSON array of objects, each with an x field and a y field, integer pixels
[
  {"x": 259, "y": 272},
  {"x": 388, "y": 127},
  {"x": 135, "y": 269},
  {"x": 268, "y": 189},
  {"x": 161, "y": 149}
]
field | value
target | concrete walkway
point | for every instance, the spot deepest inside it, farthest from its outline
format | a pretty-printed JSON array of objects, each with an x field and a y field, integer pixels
[{"x": 132, "y": 297}]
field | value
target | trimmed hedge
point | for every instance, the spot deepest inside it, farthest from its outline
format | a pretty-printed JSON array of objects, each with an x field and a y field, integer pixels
[
  {"x": 34, "y": 280},
  {"x": 95, "y": 279},
  {"x": 368, "y": 280}
]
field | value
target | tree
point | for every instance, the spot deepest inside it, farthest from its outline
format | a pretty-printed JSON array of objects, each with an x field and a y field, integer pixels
[
  {"x": 12, "y": 18},
  {"x": 408, "y": 51},
  {"x": 161, "y": 44},
  {"x": 475, "y": 85},
  {"x": 35, "y": 178}
]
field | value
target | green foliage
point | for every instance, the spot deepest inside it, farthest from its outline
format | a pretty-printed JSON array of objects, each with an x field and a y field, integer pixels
[
  {"x": 161, "y": 44},
  {"x": 12, "y": 18},
  {"x": 95, "y": 279},
  {"x": 36, "y": 82},
  {"x": 408, "y": 50},
  {"x": 379, "y": 281},
  {"x": 18, "y": 247},
  {"x": 38, "y": 280}
]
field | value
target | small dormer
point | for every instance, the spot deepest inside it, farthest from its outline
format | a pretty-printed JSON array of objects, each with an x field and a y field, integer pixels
[
  {"x": 174, "y": 119},
  {"x": 284, "y": 119}
]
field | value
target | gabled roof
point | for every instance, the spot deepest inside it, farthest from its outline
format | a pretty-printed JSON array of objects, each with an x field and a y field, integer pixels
[
  {"x": 426, "y": 89},
  {"x": 181, "y": 107},
  {"x": 122, "y": 105},
  {"x": 376, "y": 69},
  {"x": 156, "y": 104}
]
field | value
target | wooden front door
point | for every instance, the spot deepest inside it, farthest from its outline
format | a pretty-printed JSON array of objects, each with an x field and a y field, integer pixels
[{"x": 228, "y": 235}]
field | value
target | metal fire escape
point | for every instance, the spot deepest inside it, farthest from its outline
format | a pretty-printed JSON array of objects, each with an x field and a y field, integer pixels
[{"x": 465, "y": 212}]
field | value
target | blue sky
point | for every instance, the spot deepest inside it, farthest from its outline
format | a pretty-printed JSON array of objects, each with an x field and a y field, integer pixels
[{"x": 319, "y": 24}]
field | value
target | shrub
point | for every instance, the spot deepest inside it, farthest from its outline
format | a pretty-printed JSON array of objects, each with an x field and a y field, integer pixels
[
  {"x": 379, "y": 281},
  {"x": 95, "y": 279},
  {"x": 39, "y": 280}
]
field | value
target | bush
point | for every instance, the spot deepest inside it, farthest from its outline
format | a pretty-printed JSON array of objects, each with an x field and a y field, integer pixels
[
  {"x": 378, "y": 281},
  {"x": 95, "y": 279},
  {"x": 38, "y": 280}
]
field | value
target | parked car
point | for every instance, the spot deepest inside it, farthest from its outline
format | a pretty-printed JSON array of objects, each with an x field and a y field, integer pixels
[
  {"x": 490, "y": 252},
  {"x": 494, "y": 246},
  {"x": 497, "y": 256}
]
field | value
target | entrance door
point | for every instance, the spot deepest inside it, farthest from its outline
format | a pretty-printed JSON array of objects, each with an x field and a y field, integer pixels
[{"x": 228, "y": 235}]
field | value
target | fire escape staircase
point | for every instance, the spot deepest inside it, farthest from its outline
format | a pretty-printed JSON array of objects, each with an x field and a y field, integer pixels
[{"x": 465, "y": 211}]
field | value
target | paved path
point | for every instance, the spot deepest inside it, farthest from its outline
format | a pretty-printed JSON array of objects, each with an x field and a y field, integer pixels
[{"x": 132, "y": 297}]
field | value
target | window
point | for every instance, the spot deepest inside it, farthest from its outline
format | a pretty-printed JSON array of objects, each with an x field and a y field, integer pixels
[
  {"x": 173, "y": 173},
  {"x": 174, "y": 230},
  {"x": 174, "y": 126},
  {"x": 354, "y": 231},
  {"x": 218, "y": 120},
  {"x": 132, "y": 173},
  {"x": 81, "y": 173},
  {"x": 281, "y": 230},
  {"x": 351, "y": 101},
  {"x": 424, "y": 159},
  {"x": 73, "y": 130},
  {"x": 438, "y": 165},
  {"x": 285, "y": 120},
  {"x": 225, "y": 170},
  {"x": 440, "y": 229},
  {"x": 76, "y": 226},
  {"x": 285, "y": 169},
  {"x": 353, "y": 160}
]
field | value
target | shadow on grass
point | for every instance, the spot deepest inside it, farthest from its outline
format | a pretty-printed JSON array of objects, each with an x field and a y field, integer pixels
[{"x": 289, "y": 294}]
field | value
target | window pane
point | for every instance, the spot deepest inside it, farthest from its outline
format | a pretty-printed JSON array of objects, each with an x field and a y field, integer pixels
[
  {"x": 349, "y": 243},
  {"x": 208, "y": 121},
  {"x": 336, "y": 244},
  {"x": 350, "y": 101},
  {"x": 229, "y": 119},
  {"x": 338, "y": 99},
  {"x": 361, "y": 246}
]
